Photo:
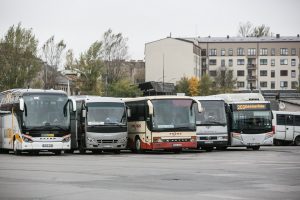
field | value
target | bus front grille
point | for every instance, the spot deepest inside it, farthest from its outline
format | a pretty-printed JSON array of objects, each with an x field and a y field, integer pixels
[{"x": 107, "y": 141}]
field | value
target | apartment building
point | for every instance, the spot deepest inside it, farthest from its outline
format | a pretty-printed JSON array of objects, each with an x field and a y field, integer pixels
[{"x": 264, "y": 63}]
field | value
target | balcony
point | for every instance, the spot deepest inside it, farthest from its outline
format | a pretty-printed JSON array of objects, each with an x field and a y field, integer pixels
[
  {"x": 251, "y": 78},
  {"x": 251, "y": 66}
]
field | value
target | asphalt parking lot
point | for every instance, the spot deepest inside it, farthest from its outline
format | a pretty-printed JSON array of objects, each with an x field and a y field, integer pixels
[{"x": 271, "y": 173}]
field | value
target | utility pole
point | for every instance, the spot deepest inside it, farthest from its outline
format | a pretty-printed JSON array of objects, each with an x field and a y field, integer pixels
[{"x": 163, "y": 73}]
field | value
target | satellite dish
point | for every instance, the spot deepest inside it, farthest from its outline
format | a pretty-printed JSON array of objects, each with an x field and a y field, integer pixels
[{"x": 281, "y": 106}]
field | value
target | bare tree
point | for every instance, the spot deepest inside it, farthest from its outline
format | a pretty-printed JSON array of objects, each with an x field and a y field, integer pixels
[
  {"x": 249, "y": 30},
  {"x": 245, "y": 29},
  {"x": 114, "y": 52},
  {"x": 51, "y": 55}
]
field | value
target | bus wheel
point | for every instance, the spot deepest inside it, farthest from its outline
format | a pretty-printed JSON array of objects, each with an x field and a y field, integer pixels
[
  {"x": 297, "y": 141},
  {"x": 16, "y": 151},
  {"x": 69, "y": 151},
  {"x": 256, "y": 148},
  {"x": 138, "y": 145}
]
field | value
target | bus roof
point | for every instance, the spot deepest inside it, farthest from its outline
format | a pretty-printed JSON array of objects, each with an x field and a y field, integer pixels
[
  {"x": 240, "y": 97},
  {"x": 90, "y": 98},
  {"x": 286, "y": 112},
  {"x": 155, "y": 98},
  {"x": 24, "y": 91},
  {"x": 208, "y": 98}
]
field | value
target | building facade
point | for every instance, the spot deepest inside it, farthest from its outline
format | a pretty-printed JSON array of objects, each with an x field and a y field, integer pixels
[
  {"x": 262, "y": 63},
  {"x": 170, "y": 59}
]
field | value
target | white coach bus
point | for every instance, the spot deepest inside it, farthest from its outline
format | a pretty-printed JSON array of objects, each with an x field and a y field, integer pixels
[
  {"x": 101, "y": 124},
  {"x": 250, "y": 120},
  {"x": 33, "y": 120}
]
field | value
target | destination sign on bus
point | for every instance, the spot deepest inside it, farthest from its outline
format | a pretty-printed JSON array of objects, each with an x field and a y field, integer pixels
[{"x": 251, "y": 106}]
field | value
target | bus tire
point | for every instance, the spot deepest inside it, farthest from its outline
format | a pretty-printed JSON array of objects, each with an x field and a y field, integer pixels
[
  {"x": 256, "y": 148},
  {"x": 137, "y": 144},
  {"x": 69, "y": 151},
  {"x": 82, "y": 150},
  {"x": 297, "y": 141},
  {"x": 16, "y": 151}
]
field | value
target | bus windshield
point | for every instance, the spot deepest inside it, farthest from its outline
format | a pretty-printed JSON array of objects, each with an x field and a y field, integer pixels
[
  {"x": 174, "y": 114},
  {"x": 213, "y": 113},
  {"x": 105, "y": 113},
  {"x": 45, "y": 110},
  {"x": 251, "y": 120}
]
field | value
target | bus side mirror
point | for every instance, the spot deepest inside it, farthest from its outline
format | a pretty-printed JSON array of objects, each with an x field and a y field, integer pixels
[
  {"x": 128, "y": 112},
  {"x": 84, "y": 113},
  {"x": 73, "y": 105},
  {"x": 150, "y": 105},
  {"x": 21, "y": 102},
  {"x": 199, "y": 106}
]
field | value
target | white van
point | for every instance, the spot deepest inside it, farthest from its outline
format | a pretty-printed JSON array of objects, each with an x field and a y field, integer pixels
[{"x": 286, "y": 127}]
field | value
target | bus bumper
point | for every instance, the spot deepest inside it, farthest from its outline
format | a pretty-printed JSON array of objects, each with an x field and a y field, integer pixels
[
  {"x": 174, "y": 145},
  {"x": 44, "y": 146},
  {"x": 212, "y": 143}
]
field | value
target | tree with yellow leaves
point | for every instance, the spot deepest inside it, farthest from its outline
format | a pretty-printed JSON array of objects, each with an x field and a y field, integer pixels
[{"x": 194, "y": 86}]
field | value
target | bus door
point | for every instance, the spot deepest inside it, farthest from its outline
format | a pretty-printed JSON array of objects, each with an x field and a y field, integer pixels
[
  {"x": 289, "y": 127},
  {"x": 296, "y": 126},
  {"x": 284, "y": 126}
]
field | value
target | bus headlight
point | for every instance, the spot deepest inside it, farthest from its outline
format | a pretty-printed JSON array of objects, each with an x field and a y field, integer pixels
[
  {"x": 122, "y": 140},
  {"x": 27, "y": 138},
  {"x": 91, "y": 139},
  {"x": 157, "y": 139},
  {"x": 66, "y": 138}
]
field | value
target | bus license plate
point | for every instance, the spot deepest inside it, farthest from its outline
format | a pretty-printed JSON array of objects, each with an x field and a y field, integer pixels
[
  {"x": 47, "y": 145},
  {"x": 177, "y": 145}
]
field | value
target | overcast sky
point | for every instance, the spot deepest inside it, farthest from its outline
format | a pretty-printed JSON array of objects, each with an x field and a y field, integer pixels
[{"x": 81, "y": 22}]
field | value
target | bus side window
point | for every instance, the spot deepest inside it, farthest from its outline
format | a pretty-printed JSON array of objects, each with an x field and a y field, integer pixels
[
  {"x": 290, "y": 120},
  {"x": 280, "y": 119},
  {"x": 297, "y": 120}
]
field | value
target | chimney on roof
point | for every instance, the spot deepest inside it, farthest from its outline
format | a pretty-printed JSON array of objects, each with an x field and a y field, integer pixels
[
  {"x": 227, "y": 36},
  {"x": 277, "y": 35}
]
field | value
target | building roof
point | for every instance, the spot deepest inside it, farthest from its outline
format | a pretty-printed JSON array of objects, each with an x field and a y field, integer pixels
[{"x": 244, "y": 39}]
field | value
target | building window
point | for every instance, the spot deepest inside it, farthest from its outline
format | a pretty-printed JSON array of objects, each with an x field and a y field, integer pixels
[
  {"x": 222, "y": 52},
  {"x": 293, "y": 52},
  {"x": 283, "y": 61},
  {"x": 263, "y": 61},
  {"x": 272, "y": 84},
  {"x": 272, "y": 62},
  {"x": 273, "y": 52},
  {"x": 230, "y": 62},
  {"x": 263, "y": 84},
  {"x": 273, "y": 74},
  {"x": 284, "y": 51},
  {"x": 283, "y": 84},
  {"x": 222, "y": 63},
  {"x": 212, "y": 52},
  {"x": 240, "y": 61},
  {"x": 263, "y": 73},
  {"x": 293, "y": 62},
  {"x": 252, "y": 52},
  {"x": 293, "y": 74},
  {"x": 294, "y": 84},
  {"x": 283, "y": 72},
  {"x": 230, "y": 52},
  {"x": 212, "y": 62},
  {"x": 213, "y": 73},
  {"x": 263, "y": 52},
  {"x": 240, "y": 51},
  {"x": 240, "y": 73},
  {"x": 240, "y": 84}
]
